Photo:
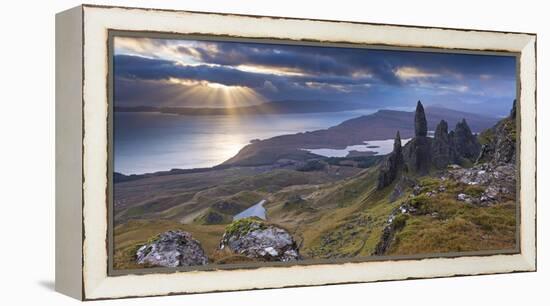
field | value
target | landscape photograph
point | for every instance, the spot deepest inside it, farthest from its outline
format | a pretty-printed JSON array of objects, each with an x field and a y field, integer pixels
[{"x": 229, "y": 152}]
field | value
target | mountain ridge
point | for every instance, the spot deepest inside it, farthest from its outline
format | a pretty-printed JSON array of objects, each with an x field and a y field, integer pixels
[
  {"x": 377, "y": 126},
  {"x": 268, "y": 108}
]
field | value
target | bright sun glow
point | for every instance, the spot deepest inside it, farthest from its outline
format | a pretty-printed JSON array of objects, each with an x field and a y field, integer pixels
[
  {"x": 210, "y": 94},
  {"x": 408, "y": 73},
  {"x": 221, "y": 86},
  {"x": 282, "y": 71}
]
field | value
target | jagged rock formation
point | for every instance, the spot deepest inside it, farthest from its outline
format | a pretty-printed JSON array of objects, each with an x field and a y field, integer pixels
[
  {"x": 423, "y": 153},
  {"x": 442, "y": 149},
  {"x": 455, "y": 146},
  {"x": 172, "y": 249},
  {"x": 500, "y": 141},
  {"x": 392, "y": 165},
  {"x": 465, "y": 143},
  {"x": 417, "y": 152},
  {"x": 489, "y": 182},
  {"x": 256, "y": 239},
  {"x": 420, "y": 123}
]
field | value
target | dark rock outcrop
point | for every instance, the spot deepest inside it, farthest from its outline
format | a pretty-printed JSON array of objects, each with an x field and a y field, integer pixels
[
  {"x": 256, "y": 239},
  {"x": 396, "y": 222},
  {"x": 420, "y": 123},
  {"x": 172, "y": 249},
  {"x": 454, "y": 147},
  {"x": 500, "y": 146},
  {"x": 423, "y": 153},
  {"x": 442, "y": 149},
  {"x": 504, "y": 140},
  {"x": 497, "y": 181},
  {"x": 392, "y": 165},
  {"x": 465, "y": 142},
  {"x": 505, "y": 150},
  {"x": 402, "y": 184},
  {"x": 417, "y": 152}
]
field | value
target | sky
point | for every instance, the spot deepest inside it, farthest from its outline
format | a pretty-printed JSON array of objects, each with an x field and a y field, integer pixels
[{"x": 193, "y": 73}]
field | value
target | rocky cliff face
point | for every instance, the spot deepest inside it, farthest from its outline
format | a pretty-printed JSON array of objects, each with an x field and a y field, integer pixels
[
  {"x": 172, "y": 249},
  {"x": 500, "y": 141},
  {"x": 256, "y": 239},
  {"x": 392, "y": 165}
]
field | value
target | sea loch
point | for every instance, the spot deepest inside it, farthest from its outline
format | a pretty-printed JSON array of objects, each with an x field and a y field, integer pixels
[{"x": 150, "y": 142}]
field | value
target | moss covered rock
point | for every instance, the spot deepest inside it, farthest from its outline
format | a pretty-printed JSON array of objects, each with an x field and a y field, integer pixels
[{"x": 257, "y": 239}]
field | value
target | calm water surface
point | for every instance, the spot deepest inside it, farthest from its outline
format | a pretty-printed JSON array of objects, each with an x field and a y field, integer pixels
[
  {"x": 150, "y": 142},
  {"x": 379, "y": 147}
]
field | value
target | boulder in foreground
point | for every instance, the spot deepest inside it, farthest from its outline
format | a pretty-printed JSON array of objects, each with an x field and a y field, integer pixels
[
  {"x": 256, "y": 239},
  {"x": 172, "y": 249}
]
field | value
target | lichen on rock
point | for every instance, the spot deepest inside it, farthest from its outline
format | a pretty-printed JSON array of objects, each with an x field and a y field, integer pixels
[
  {"x": 257, "y": 239},
  {"x": 500, "y": 146},
  {"x": 172, "y": 249}
]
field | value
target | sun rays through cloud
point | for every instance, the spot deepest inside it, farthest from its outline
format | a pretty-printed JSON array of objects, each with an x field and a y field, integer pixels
[
  {"x": 213, "y": 74},
  {"x": 213, "y": 95}
]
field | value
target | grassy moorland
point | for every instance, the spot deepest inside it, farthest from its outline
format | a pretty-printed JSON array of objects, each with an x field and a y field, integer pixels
[
  {"x": 334, "y": 207},
  {"x": 346, "y": 218},
  {"x": 445, "y": 224}
]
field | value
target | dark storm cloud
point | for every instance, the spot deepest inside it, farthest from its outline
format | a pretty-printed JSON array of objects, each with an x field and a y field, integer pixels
[
  {"x": 305, "y": 59},
  {"x": 156, "y": 69},
  {"x": 309, "y": 72},
  {"x": 136, "y": 67},
  {"x": 345, "y": 61}
]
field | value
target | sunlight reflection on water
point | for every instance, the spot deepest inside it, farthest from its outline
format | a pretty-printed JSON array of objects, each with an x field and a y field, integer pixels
[{"x": 149, "y": 142}]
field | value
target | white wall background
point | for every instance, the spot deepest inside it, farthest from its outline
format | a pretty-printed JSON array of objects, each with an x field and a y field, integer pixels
[{"x": 27, "y": 153}]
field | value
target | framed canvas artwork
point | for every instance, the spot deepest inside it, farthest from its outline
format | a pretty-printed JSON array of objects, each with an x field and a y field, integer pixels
[{"x": 201, "y": 152}]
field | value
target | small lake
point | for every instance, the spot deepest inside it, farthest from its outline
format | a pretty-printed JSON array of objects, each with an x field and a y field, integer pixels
[
  {"x": 257, "y": 210},
  {"x": 379, "y": 147}
]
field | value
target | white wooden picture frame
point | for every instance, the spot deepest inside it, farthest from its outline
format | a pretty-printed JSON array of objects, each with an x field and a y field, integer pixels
[{"x": 82, "y": 156}]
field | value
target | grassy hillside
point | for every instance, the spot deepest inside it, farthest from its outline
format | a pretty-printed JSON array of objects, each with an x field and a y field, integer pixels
[
  {"x": 129, "y": 236},
  {"x": 333, "y": 207},
  {"x": 345, "y": 218},
  {"x": 445, "y": 224}
]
